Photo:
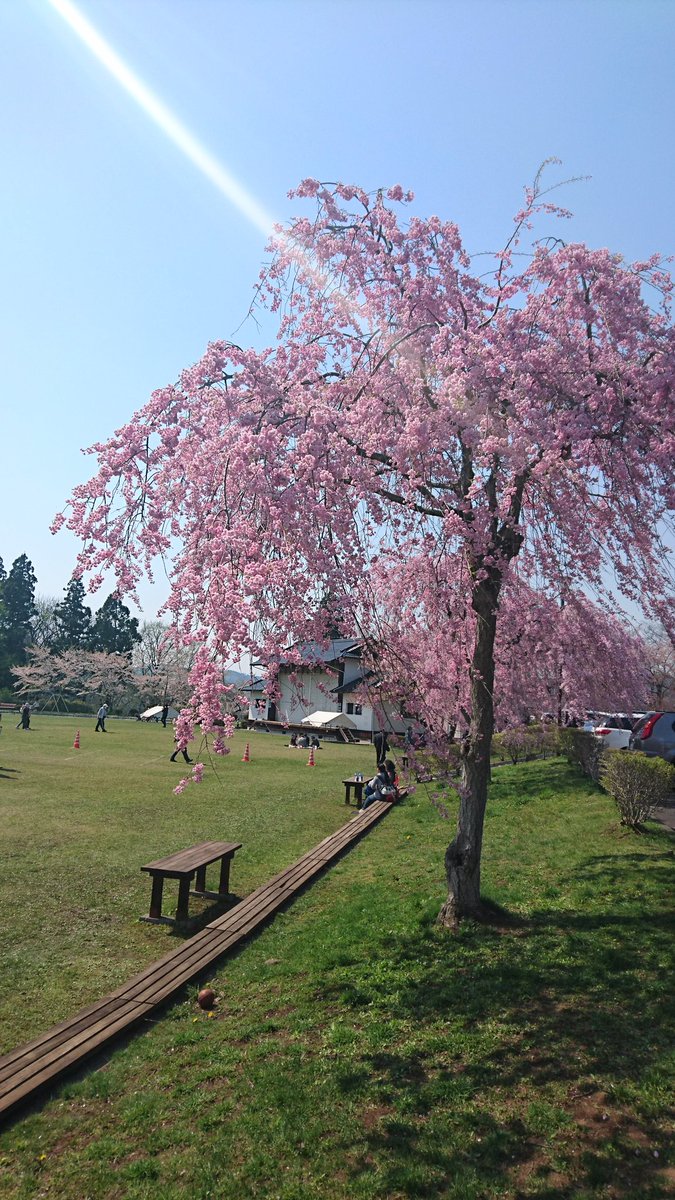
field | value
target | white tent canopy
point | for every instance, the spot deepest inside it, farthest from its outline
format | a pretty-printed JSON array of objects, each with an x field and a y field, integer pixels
[
  {"x": 156, "y": 711},
  {"x": 328, "y": 720}
]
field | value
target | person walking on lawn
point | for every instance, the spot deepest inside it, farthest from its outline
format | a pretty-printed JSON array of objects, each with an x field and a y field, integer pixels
[
  {"x": 183, "y": 751},
  {"x": 24, "y": 723},
  {"x": 101, "y": 714}
]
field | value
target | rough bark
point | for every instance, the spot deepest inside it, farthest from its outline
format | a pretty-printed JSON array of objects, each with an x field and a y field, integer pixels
[{"x": 463, "y": 855}]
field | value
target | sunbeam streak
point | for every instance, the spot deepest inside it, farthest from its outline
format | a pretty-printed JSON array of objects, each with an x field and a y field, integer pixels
[{"x": 170, "y": 125}]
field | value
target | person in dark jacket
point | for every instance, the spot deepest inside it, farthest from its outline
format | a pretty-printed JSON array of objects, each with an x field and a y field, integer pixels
[
  {"x": 381, "y": 744},
  {"x": 24, "y": 723}
]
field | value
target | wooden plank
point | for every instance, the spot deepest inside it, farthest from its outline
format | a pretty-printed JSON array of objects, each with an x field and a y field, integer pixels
[
  {"x": 32, "y": 1076},
  {"x": 45, "y": 1042},
  {"x": 76, "y": 1033},
  {"x": 194, "y": 949},
  {"x": 41, "y": 1061},
  {"x": 314, "y": 860},
  {"x": 190, "y": 960},
  {"x": 193, "y": 857}
]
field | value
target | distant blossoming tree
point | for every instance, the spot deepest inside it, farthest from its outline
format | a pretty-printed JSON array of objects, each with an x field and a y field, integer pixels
[
  {"x": 660, "y": 659},
  {"x": 84, "y": 674},
  {"x": 416, "y": 404},
  {"x": 163, "y": 667}
]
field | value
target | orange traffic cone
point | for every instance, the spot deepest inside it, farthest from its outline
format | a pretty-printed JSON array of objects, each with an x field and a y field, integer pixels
[
  {"x": 310, "y": 760},
  {"x": 76, "y": 743},
  {"x": 247, "y": 753}
]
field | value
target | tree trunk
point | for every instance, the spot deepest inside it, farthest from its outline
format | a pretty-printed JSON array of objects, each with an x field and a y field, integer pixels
[{"x": 463, "y": 855}]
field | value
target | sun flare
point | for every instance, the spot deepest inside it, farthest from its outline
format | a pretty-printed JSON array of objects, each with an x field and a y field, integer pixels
[{"x": 164, "y": 118}]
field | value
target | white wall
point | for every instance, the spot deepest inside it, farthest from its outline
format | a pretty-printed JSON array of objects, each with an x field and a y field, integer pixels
[{"x": 311, "y": 692}]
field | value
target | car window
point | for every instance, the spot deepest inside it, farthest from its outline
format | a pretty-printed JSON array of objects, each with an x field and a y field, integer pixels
[
  {"x": 626, "y": 723},
  {"x": 639, "y": 725}
]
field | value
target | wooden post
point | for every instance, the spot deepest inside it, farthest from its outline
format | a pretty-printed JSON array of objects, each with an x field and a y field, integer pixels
[
  {"x": 156, "y": 897},
  {"x": 183, "y": 898},
  {"x": 224, "y": 884}
]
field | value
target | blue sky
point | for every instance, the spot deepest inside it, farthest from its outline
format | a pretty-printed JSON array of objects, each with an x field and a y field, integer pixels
[{"x": 120, "y": 260}]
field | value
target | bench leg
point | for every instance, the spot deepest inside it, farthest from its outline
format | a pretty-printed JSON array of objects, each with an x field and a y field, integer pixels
[
  {"x": 200, "y": 881},
  {"x": 156, "y": 897},
  {"x": 183, "y": 899},
  {"x": 224, "y": 883},
  {"x": 347, "y": 790}
]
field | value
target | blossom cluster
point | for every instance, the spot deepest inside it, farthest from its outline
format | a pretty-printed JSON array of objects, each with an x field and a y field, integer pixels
[{"x": 434, "y": 447}]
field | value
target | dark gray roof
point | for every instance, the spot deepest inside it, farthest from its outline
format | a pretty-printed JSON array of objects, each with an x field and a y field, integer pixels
[
  {"x": 352, "y": 685},
  {"x": 255, "y": 685},
  {"x": 313, "y": 653}
]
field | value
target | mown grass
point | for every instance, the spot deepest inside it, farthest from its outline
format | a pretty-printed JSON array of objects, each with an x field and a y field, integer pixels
[{"x": 357, "y": 1050}]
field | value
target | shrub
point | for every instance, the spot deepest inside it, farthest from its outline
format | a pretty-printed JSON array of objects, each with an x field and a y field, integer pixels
[
  {"x": 582, "y": 750},
  {"x": 637, "y": 784},
  {"x": 517, "y": 743},
  {"x": 523, "y": 742},
  {"x": 550, "y": 739}
]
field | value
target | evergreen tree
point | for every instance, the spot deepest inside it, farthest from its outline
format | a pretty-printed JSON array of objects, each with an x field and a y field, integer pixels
[
  {"x": 72, "y": 619},
  {"x": 114, "y": 629},
  {"x": 17, "y": 609}
]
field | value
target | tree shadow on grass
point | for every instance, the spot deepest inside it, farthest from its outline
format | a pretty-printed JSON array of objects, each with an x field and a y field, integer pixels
[
  {"x": 572, "y": 1005},
  {"x": 558, "y": 784}
]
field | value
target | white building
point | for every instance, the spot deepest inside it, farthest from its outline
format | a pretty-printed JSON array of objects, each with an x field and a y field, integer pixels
[{"x": 328, "y": 680}]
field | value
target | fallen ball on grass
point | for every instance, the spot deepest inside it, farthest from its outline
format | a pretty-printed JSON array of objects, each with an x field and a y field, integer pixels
[{"x": 206, "y": 998}]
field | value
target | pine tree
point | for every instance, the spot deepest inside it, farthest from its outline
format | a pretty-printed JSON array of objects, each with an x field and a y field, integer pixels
[
  {"x": 114, "y": 629},
  {"x": 17, "y": 609},
  {"x": 72, "y": 618}
]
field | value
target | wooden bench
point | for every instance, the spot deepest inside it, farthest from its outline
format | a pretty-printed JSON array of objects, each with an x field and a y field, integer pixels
[
  {"x": 39, "y": 1063},
  {"x": 183, "y": 866},
  {"x": 357, "y": 785}
]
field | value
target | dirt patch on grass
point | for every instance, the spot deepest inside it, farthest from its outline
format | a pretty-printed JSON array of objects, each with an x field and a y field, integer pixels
[
  {"x": 371, "y": 1117},
  {"x": 590, "y": 1144}
]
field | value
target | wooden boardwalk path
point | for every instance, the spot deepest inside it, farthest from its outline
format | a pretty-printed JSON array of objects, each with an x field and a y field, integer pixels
[{"x": 28, "y": 1068}]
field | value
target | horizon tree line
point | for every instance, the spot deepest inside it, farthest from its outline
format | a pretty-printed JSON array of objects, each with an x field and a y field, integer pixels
[{"x": 27, "y": 620}]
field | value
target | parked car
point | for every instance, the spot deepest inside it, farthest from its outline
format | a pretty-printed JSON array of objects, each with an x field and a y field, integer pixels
[
  {"x": 615, "y": 731},
  {"x": 654, "y": 734}
]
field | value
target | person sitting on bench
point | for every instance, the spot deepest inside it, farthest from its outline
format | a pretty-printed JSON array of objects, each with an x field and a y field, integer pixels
[{"x": 377, "y": 788}]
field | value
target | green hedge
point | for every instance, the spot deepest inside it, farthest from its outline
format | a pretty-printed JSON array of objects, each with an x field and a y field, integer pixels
[
  {"x": 637, "y": 784},
  {"x": 582, "y": 750}
]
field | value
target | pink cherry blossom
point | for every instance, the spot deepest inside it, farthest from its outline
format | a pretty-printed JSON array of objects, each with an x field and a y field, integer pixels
[{"x": 453, "y": 454}]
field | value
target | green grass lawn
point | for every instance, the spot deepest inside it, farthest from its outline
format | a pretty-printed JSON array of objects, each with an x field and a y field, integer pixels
[{"x": 357, "y": 1050}]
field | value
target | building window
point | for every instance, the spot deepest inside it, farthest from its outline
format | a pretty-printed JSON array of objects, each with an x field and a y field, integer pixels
[
  {"x": 350, "y": 710},
  {"x": 357, "y": 710}
]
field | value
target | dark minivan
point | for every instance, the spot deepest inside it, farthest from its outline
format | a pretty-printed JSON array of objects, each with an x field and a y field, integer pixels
[{"x": 654, "y": 734}]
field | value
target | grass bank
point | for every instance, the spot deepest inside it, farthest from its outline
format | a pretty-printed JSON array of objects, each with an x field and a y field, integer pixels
[{"x": 356, "y": 1050}]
